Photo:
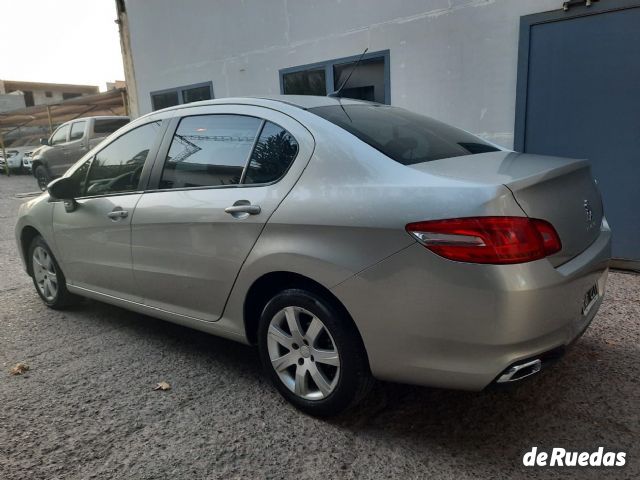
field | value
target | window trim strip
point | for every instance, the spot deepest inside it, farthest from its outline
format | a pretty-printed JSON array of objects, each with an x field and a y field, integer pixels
[{"x": 255, "y": 142}]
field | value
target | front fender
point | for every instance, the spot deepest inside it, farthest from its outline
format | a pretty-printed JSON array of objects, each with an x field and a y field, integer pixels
[{"x": 38, "y": 215}]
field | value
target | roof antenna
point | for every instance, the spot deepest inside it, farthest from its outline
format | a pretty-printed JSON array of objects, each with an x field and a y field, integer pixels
[{"x": 338, "y": 92}]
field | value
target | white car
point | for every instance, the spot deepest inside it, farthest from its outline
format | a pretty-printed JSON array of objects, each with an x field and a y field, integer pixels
[
  {"x": 16, "y": 158},
  {"x": 27, "y": 160}
]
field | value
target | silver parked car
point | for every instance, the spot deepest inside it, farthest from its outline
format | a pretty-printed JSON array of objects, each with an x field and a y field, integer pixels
[{"x": 348, "y": 240}]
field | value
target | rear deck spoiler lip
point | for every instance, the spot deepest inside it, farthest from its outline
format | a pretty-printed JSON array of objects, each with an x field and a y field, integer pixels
[{"x": 506, "y": 172}]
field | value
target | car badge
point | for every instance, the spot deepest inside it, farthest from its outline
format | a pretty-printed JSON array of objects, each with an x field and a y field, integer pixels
[{"x": 588, "y": 211}]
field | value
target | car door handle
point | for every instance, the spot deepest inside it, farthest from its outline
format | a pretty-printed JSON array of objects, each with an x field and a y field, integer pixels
[
  {"x": 242, "y": 208},
  {"x": 117, "y": 214}
]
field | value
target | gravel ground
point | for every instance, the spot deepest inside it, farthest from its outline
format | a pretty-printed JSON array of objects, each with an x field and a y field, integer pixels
[{"x": 86, "y": 408}]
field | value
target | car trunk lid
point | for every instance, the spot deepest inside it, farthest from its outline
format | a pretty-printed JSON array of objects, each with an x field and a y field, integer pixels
[{"x": 559, "y": 190}]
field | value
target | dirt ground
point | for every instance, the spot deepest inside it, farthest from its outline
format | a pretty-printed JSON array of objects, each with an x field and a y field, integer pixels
[{"x": 87, "y": 408}]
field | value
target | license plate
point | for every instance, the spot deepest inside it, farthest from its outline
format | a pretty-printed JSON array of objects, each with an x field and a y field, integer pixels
[{"x": 590, "y": 299}]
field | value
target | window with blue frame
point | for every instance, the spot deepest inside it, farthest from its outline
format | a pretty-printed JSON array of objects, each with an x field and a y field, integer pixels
[
  {"x": 179, "y": 95},
  {"x": 370, "y": 81}
]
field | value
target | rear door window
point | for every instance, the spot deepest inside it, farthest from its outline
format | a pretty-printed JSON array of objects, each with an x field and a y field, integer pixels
[
  {"x": 77, "y": 130},
  {"x": 404, "y": 136},
  {"x": 209, "y": 150}
]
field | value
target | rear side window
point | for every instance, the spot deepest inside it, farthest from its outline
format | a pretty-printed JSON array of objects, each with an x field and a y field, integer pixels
[
  {"x": 117, "y": 167},
  {"x": 209, "y": 150},
  {"x": 406, "y": 137},
  {"x": 274, "y": 152},
  {"x": 77, "y": 130},
  {"x": 105, "y": 126}
]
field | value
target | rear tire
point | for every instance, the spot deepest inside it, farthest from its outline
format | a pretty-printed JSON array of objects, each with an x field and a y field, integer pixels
[
  {"x": 312, "y": 353},
  {"x": 42, "y": 177},
  {"x": 47, "y": 276}
]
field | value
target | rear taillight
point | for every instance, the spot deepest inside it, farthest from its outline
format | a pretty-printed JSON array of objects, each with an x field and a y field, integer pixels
[{"x": 496, "y": 240}]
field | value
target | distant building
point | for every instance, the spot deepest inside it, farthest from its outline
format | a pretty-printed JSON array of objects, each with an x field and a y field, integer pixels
[
  {"x": 116, "y": 84},
  {"x": 15, "y": 95}
]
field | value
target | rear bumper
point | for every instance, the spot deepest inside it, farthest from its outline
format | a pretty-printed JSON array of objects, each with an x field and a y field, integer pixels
[{"x": 430, "y": 321}]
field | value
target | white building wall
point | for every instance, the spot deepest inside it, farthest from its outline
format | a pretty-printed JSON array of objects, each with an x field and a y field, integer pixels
[
  {"x": 40, "y": 97},
  {"x": 454, "y": 60}
]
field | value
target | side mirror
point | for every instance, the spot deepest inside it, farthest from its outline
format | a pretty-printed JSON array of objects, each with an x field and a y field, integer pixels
[
  {"x": 64, "y": 189},
  {"x": 44, "y": 141}
]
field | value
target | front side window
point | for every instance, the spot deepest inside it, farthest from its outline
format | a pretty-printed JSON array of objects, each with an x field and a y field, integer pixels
[
  {"x": 79, "y": 177},
  {"x": 273, "y": 154},
  {"x": 209, "y": 150},
  {"x": 60, "y": 135},
  {"x": 77, "y": 130},
  {"x": 404, "y": 136},
  {"x": 117, "y": 167}
]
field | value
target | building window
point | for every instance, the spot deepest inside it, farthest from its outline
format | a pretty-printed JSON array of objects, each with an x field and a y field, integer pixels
[
  {"x": 28, "y": 98},
  {"x": 369, "y": 82},
  {"x": 180, "y": 95},
  {"x": 70, "y": 95},
  {"x": 305, "y": 82},
  {"x": 164, "y": 100},
  {"x": 48, "y": 94}
]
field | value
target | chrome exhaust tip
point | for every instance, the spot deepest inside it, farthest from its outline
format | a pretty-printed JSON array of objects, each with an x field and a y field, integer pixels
[{"x": 520, "y": 370}]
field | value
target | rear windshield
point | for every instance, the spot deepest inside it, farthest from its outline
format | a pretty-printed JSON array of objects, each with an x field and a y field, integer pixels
[
  {"x": 106, "y": 126},
  {"x": 401, "y": 135}
]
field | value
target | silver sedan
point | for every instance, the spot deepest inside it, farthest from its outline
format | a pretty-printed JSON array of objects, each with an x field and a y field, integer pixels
[{"x": 347, "y": 240}]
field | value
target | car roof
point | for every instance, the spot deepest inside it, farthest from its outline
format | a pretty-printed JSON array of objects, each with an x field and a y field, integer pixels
[
  {"x": 312, "y": 101},
  {"x": 96, "y": 117},
  {"x": 304, "y": 102}
]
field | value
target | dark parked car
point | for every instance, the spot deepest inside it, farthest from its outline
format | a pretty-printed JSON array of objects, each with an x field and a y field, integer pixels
[{"x": 69, "y": 143}]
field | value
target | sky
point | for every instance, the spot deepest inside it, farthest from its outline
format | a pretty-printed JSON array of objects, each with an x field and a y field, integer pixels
[{"x": 60, "y": 41}]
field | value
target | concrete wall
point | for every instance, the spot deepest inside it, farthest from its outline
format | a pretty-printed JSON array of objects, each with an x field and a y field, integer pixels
[
  {"x": 11, "y": 101},
  {"x": 40, "y": 97},
  {"x": 454, "y": 60}
]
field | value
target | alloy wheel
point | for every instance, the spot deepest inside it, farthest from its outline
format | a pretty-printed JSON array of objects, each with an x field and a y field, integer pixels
[
  {"x": 303, "y": 353},
  {"x": 44, "y": 273}
]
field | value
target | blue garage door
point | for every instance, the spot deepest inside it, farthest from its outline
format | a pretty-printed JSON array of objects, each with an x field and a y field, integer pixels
[{"x": 581, "y": 98}]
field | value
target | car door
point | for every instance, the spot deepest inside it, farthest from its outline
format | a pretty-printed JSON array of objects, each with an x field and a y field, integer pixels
[
  {"x": 76, "y": 147},
  {"x": 94, "y": 237},
  {"x": 55, "y": 155},
  {"x": 220, "y": 174}
]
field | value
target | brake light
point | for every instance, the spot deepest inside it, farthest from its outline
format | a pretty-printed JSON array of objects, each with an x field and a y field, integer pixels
[{"x": 493, "y": 240}]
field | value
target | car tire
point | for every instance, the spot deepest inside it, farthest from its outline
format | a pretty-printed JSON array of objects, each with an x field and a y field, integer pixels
[
  {"x": 42, "y": 177},
  {"x": 47, "y": 276},
  {"x": 321, "y": 369}
]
